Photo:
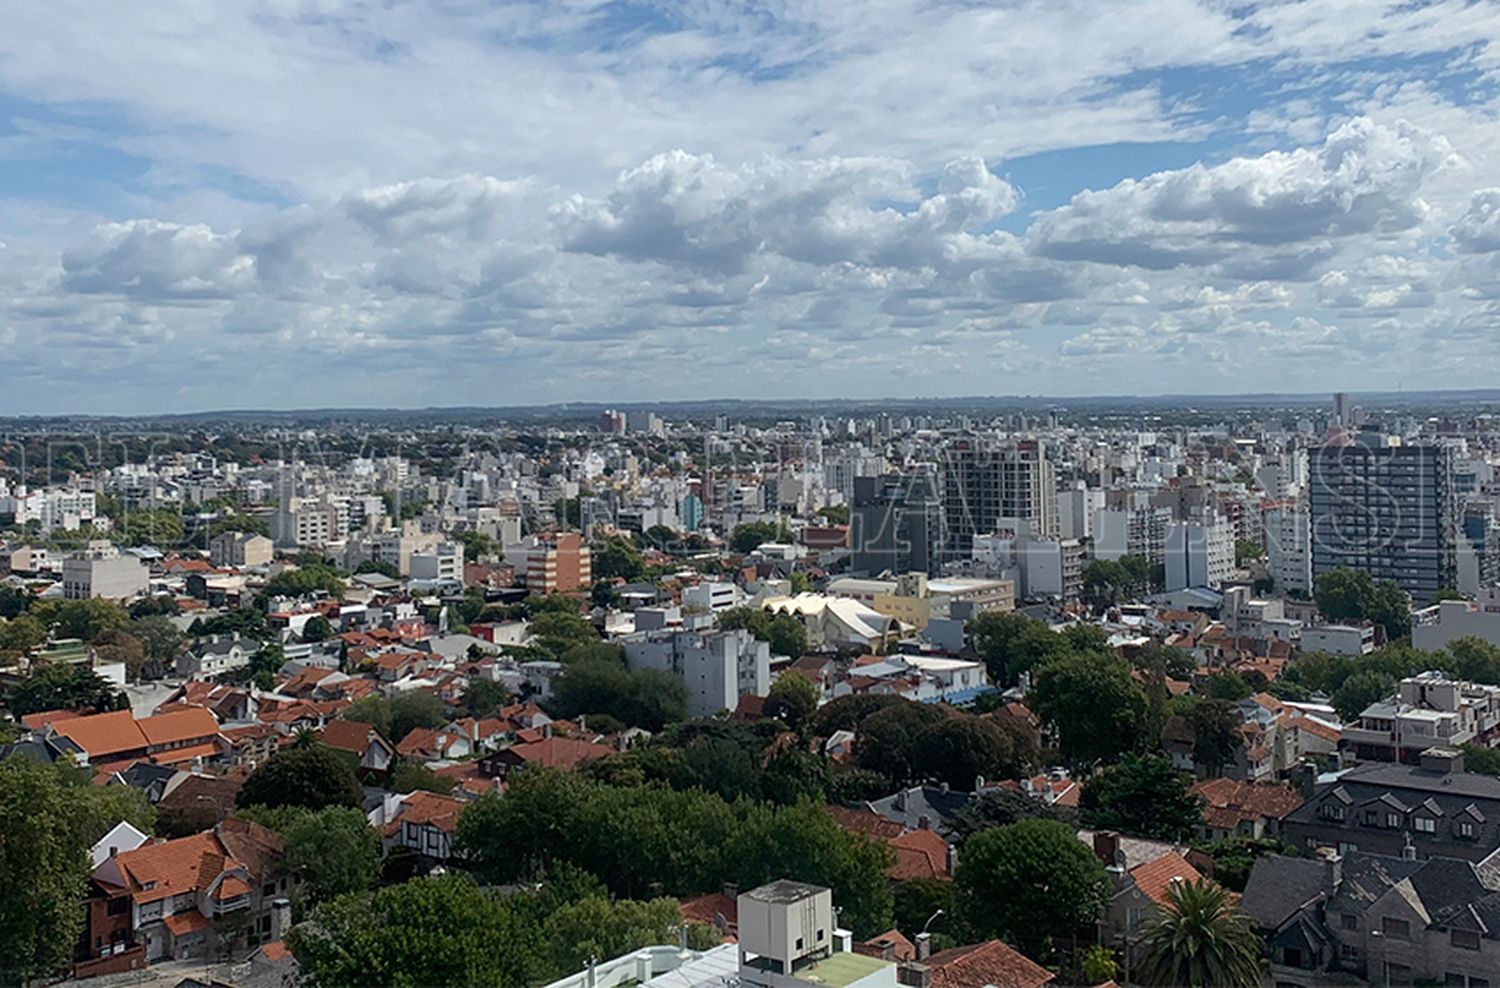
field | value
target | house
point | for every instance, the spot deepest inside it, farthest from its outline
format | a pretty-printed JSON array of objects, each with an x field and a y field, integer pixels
[
  {"x": 1381, "y": 919},
  {"x": 215, "y": 656},
  {"x": 992, "y": 964},
  {"x": 1435, "y": 806},
  {"x": 430, "y": 743},
  {"x": 921, "y": 807},
  {"x": 1139, "y": 893},
  {"x": 717, "y": 909},
  {"x": 552, "y": 752},
  {"x": 364, "y": 742},
  {"x": 117, "y": 738},
  {"x": 423, "y": 821},
  {"x": 190, "y": 898},
  {"x": 916, "y": 853},
  {"x": 1243, "y": 809}
]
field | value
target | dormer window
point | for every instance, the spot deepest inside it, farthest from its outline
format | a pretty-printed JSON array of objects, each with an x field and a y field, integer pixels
[
  {"x": 1424, "y": 825},
  {"x": 1332, "y": 811},
  {"x": 1465, "y": 828}
]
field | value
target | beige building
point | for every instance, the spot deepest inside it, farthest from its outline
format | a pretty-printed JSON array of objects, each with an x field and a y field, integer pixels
[{"x": 241, "y": 549}]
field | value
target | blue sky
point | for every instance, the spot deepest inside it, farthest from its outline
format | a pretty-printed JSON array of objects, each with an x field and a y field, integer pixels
[{"x": 465, "y": 202}]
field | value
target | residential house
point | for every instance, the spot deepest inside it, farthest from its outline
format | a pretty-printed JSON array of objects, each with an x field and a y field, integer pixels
[
  {"x": 422, "y": 821},
  {"x": 1377, "y": 919},
  {"x": 1435, "y": 807},
  {"x": 364, "y": 742},
  {"x": 117, "y": 738},
  {"x": 191, "y": 897},
  {"x": 991, "y": 964},
  {"x": 553, "y": 752},
  {"x": 1243, "y": 809},
  {"x": 216, "y": 656}
]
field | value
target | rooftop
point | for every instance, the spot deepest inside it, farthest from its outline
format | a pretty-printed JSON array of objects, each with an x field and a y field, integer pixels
[
  {"x": 785, "y": 891},
  {"x": 841, "y": 969}
]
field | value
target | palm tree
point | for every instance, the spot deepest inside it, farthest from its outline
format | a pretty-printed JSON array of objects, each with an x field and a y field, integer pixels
[{"x": 1201, "y": 940}]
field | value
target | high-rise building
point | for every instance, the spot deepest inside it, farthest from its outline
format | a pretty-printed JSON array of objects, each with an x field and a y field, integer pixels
[
  {"x": 896, "y": 524},
  {"x": 560, "y": 563},
  {"x": 984, "y": 482},
  {"x": 1289, "y": 547},
  {"x": 1388, "y": 510},
  {"x": 1198, "y": 553}
]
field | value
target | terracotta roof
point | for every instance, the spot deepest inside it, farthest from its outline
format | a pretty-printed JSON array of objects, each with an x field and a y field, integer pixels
[
  {"x": 993, "y": 964},
  {"x": 563, "y": 753},
  {"x": 711, "y": 909},
  {"x": 178, "y": 756},
  {"x": 919, "y": 854},
  {"x": 891, "y": 945},
  {"x": 348, "y": 735},
  {"x": 103, "y": 734},
  {"x": 182, "y": 725},
  {"x": 1230, "y": 801},
  {"x": 1154, "y": 877},
  {"x": 181, "y": 924},
  {"x": 33, "y": 722},
  {"x": 865, "y": 822},
  {"x": 231, "y": 888},
  {"x": 422, "y": 807},
  {"x": 276, "y": 950}
]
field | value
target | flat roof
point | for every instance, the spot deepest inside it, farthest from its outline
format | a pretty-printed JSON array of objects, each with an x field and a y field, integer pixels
[
  {"x": 842, "y": 969},
  {"x": 785, "y": 890}
]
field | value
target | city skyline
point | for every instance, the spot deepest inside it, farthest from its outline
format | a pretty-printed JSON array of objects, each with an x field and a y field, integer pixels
[{"x": 334, "y": 205}]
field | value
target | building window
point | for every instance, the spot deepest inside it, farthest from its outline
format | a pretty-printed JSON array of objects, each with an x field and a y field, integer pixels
[
  {"x": 1425, "y": 825},
  {"x": 1392, "y": 821},
  {"x": 1371, "y": 818},
  {"x": 1349, "y": 921},
  {"x": 1348, "y": 951},
  {"x": 1333, "y": 811},
  {"x": 1396, "y": 929},
  {"x": 1464, "y": 939},
  {"x": 1465, "y": 828}
]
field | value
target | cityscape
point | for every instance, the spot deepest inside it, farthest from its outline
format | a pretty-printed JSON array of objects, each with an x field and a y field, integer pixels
[{"x": 642, "y": 494}]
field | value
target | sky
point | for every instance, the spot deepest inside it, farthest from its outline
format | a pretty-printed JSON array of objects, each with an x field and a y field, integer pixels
[{"x": 314, "y": 203}]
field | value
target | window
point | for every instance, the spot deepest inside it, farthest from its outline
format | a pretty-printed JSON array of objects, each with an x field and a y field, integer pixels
[
  {"x": 1349, "y": 921},
  {"x": 1396, "y": 929},
  {"x": 1464, "y": 939},
  {"x": 1333, "y": 811},
  {"x": 1425, "y": 825},
  {"x": 1392, "y": 821},
  {"x": 1371, "y": 818},
  {"x": 1348, "y": 951},
  {"x": 799, "y": 943},
  {"x": 1465, "y": 828}
]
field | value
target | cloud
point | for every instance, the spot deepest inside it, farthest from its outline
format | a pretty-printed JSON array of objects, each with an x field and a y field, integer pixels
[
  {"x": 156, "y": 261},
  {"x": 1478, "y": 230},
  {"x": 1366, "y": 178}
]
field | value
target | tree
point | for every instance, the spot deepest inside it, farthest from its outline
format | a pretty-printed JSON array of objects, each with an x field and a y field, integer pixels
[
  {"x": 836, "y": 514},
  {"x": 596, "y": 927},
  {"x": 413, "y": 709},
  {"x": 1200, "y": 940},
  {"x": 783, "y": 632},
  {"x": 384, "y": 567},
  {"x": 83, "y": 619},
  {"x": 317, "y": 629},
  {"x": 304, "y": 580},
  {"x": 918, "y": 900},
  {"x": 1099, "y": 965},
  {"x": 556, "y": 631},
  {"x": 484, "y": 697},
  {"x": 1359, "y": 691},
  {"x": 751, "y": 535},
  {"x": 1216, "y": 735},
  {"x": 1097, "y": 708},
  {"x": 1143, "y": 796},
  {"x": 126, "y": 649},
  {"x": 1245, "y": 550},
  {"x": 1029, "y": 883},
  {"x": 887, "y": 739},
  {"x": 15, "y": 601},
  {"x": 1226, "y": 684},
  {"x": 1001, "y": 807},
  {"x": 605, "y": 595},
  {"x": 1011, "y": 643},
  {"x": 335, "y": 848},
  {"x": 646, "y": 698},
  {"x": 22, "y": 634},
  {"x": 161, "y": 640},
  {"x": 65, "y": 687},
  {"x": 1478, "y": 758},
  {"x": 411, "y": 776},
  {"x": 477, "y": 544},
  {"x": 1345, "y": 594},
  {"x": 372, "y": 710},
  {"x": 793, "y": 698},
  {"x": 958, "y": 750},
  {"x": 49, "y": 818},
  {"x": 311, "y": 777},
  {"x": 618, "y": 558},
  {"x": 427, "y": 931}
]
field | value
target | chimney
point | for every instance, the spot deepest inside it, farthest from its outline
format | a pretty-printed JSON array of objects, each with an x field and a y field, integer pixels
[
  {"x": 547, "y": 730},
  {"x": 1446, "y": 761},
  {"x": 114, "y": 851},
  {"x": 924, "y": 946},
  {"x": 1333, "y": 872},
  {"x": 1106, "y": 846},
  {"x": 732, "y": 890},
  {"x": 1408, "y": 849},
  {"x": 924, "y": 823},
  {"x": 901, "y": 800}
]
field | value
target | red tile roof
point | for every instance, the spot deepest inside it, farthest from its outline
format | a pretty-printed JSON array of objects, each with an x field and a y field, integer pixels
[
  {"x": 992, "y": 964},
  {"x": 919, "y": 854},
  {"x": 1154, "y": 878}
]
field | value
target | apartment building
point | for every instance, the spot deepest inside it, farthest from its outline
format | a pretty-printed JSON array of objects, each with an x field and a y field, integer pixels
[
  {"x": 984, "y": 481},
  {"x": 717, "y": 667},
  {"x": 559, "y": 563}
]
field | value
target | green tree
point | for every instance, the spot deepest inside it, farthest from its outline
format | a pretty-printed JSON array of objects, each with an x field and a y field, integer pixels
[
  {"x": 413, "y": 709},
  {"x": 1001, "y": 807},
  {"x": 65, "y": 687},
  {"x": 749, "y": 536},
  {"x": 618, "y": 558},
  {"x": 161, "y": 640},
  {"x": 412, "y": 775},
  {"x": 428, "y": 931},
  {"x": 1359, "y": 691},
  {"x": 836, "y": 514},
  {"x": 647, "y": 698},
  {"x": 49, "y": 818},
  {"x": 84, "y": 619},
  {"x": 372, "y": 710},
  {"x": 1143, "y": 796},
  {"x": 384, "y": 567},
  {"x": 1099, "y": 965},
  {"x": 1011, "y": 643},
  {"x": 1226, "y": 684},
  {"x": 22, "y": 634},
  {"x": 317, "y": 629},
  {"x": 1246, "y": 550},
  {"x": 1098, "y": 710},
  {"x": 1029, "y": 883},
  {"x": 960, "y": 749},
  {"x": 598, "y": 928},
  {"x": 1200, "y": 940},
  {"x": 887, "y": 739},
  {"x": 304, "y": 580},
  {"x": 335, "y": 848},
  {"x": 556, "y": 631},
  {"x": 484, "y": 697},
  {"x": 918, "y": 900},
  {"x": 312, "y": 777},
  {"x": 15, "y": 601},
  {"x": 1345, "y": 594},
  {"x": 1478, "y": 758},
  {"x": 793, "y": 699},
  {"x": 783, "y": 632}
]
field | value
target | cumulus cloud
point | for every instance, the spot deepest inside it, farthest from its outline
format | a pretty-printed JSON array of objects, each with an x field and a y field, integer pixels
[
  {"x": 157, "y": 261},
  {"x": 1478, "y": 230},
  {"x": 1366, "y": 178}
]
